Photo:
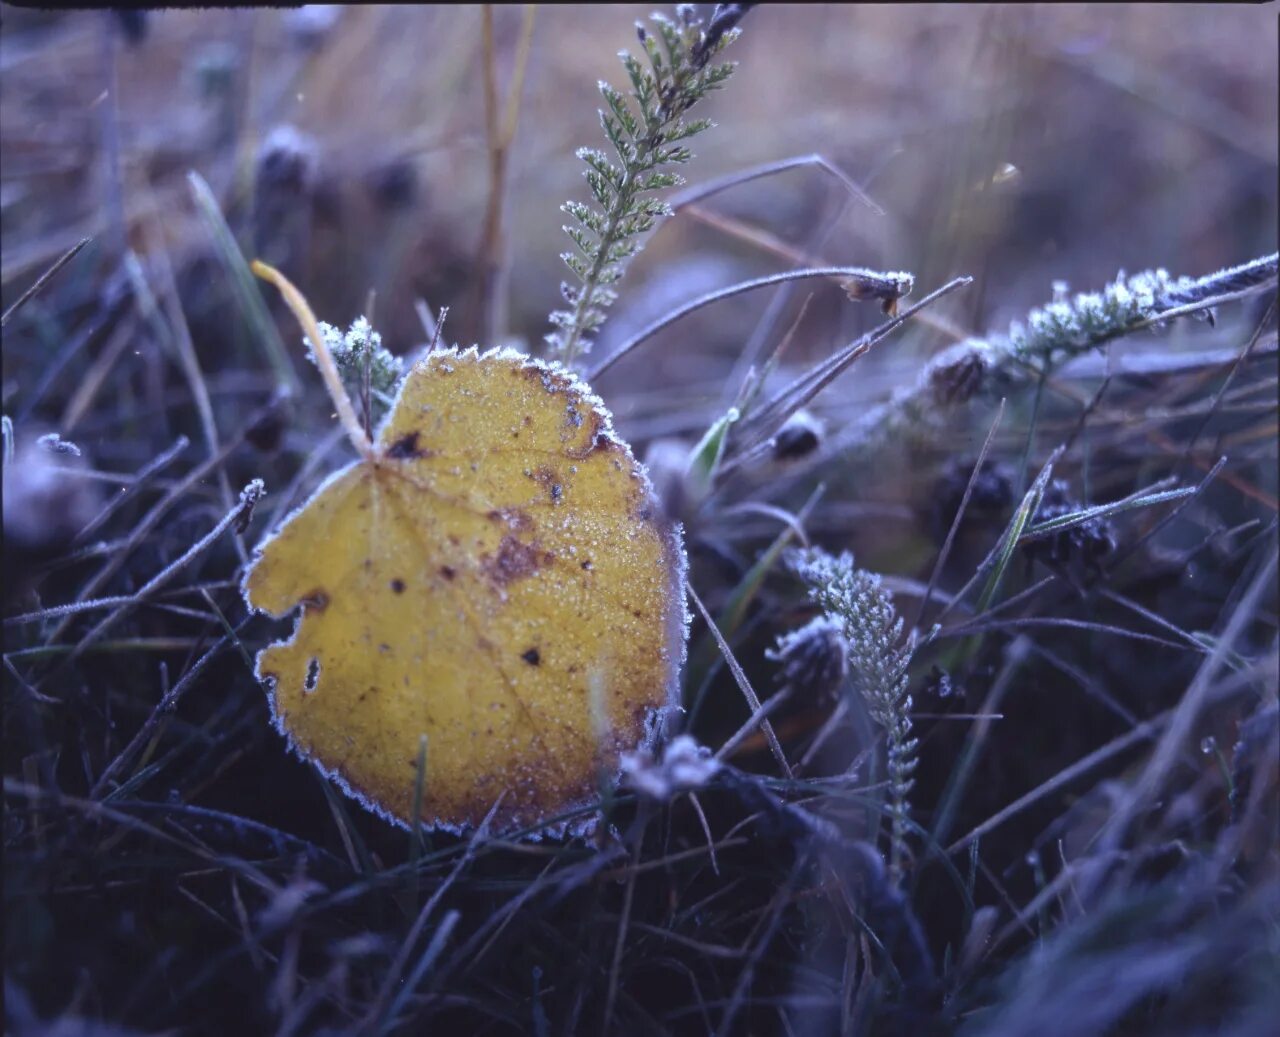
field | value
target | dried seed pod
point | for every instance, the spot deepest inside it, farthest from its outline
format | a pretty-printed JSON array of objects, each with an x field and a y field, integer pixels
[
  {"x": 394, "y": 184},
  {"x": 286, "y": 175},
  {"x": 958, "y": 374},
  {"x": 1080, "y": 549},
  {"x": 799, "y": 437},
  {"x": 992, "y": 493},
  {"x": 814, "y": 659},
  {"x": 667, "y": 463},
  {"x": 887, "y": 288}
]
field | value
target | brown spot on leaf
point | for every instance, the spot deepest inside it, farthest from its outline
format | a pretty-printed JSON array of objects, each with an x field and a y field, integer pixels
[
  {"x": 532, "y": 657},
  {"x": 547, "y": 477},
  {"x": 515, "y": 560},
  {"x": 406, "y": 448},
  {"x": 594, "y": 438},
  {"x": 552, "y": 381},
  {"x": 397, "y": 585},
  {"x": 513, "y": 517},
  {"x": 314, "y": 601},
  {"x": 448, "y": 572}
]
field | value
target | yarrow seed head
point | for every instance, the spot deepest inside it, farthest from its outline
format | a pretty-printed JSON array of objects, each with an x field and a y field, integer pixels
[
  {"x": 1091, "y": 318},
  {"x": 647, "y": 129}
]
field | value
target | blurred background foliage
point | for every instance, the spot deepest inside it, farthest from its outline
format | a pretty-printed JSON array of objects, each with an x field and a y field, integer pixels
[{"x": 1020, "y": 144}]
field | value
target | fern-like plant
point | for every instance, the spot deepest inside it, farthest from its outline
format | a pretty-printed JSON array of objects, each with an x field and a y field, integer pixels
[
  {"x": 877, "y": 662},
  {"x": 646, "y": 132}
]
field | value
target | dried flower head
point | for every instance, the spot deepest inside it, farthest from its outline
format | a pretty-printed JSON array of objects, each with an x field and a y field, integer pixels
[
  {"x": 814, "y": 659},
  {"x": 47, "y": 498},
  {"x": 1081, "y": 548},
  {"x": 286, "y": 160},
  {"x": 958, "y": 374}
]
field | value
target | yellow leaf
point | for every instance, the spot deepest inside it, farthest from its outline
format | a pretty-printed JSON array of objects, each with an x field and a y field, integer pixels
[{"x": 494, "y": 575}]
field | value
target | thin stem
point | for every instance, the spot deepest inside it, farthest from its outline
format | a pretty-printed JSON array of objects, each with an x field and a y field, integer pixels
[
  {"x": 500, "y": 134},
  {"x": 297, "y": 302},
  {"x": 44, "y": 279},
  {"x": 849, "y": 272}
]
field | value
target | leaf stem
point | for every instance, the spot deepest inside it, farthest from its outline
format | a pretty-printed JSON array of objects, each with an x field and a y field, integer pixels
[{"x": 297, "y": 302}]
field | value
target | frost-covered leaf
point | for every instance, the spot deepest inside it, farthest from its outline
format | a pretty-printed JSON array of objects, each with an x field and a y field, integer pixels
[{"x": 494, "y": 576}]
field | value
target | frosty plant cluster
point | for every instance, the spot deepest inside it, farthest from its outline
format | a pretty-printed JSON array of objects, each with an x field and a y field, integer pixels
[
  {"x": 1088, "y": 320},
  {"x": 369, "y": 372},
  {"x": 1075, "y": 325},
  {"x": 1049, "y": 335}
]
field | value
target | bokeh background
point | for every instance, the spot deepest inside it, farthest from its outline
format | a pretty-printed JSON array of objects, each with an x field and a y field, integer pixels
[{"x": 1020, "y": 144}]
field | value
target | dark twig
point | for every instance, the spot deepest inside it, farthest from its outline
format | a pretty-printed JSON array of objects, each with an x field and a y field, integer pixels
[
  {"x": 164, "y": 708},
  {"x": 43, "y": 279}
]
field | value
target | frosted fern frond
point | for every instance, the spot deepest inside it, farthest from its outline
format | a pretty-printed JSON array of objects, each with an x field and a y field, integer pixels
[
  {"x": 645, "y": 129},
  {"x": 877, "y": 662}
]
